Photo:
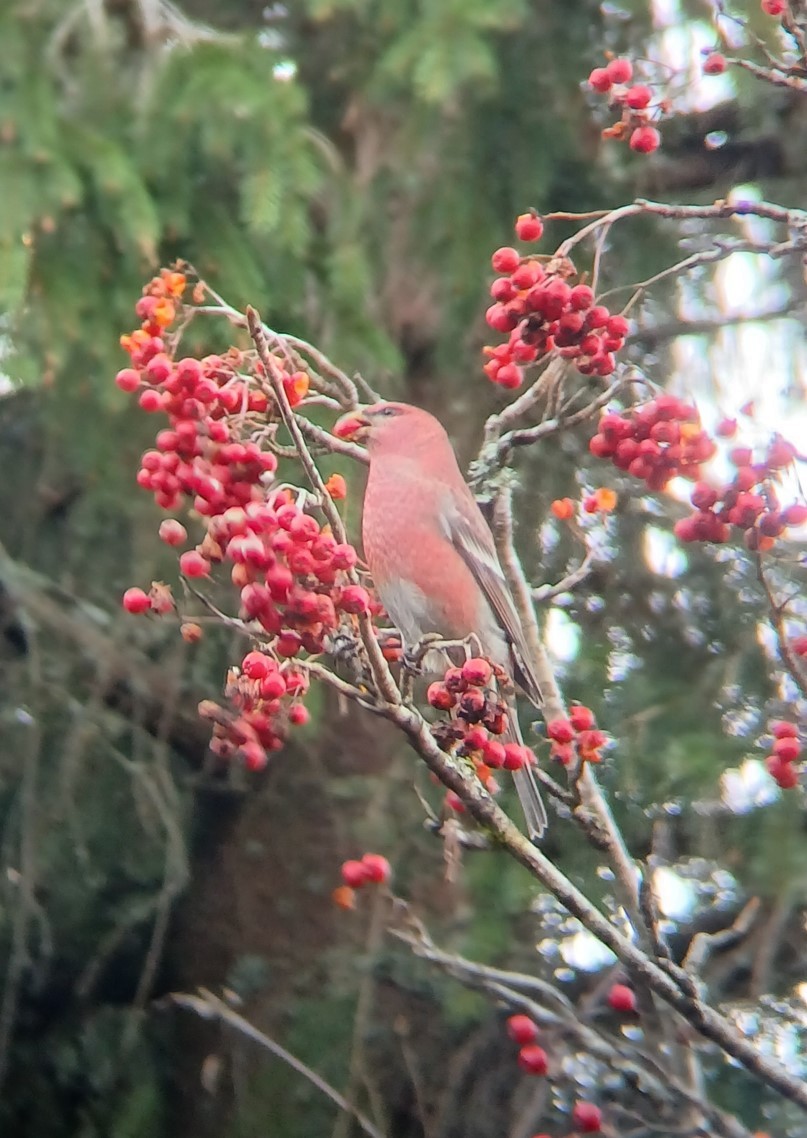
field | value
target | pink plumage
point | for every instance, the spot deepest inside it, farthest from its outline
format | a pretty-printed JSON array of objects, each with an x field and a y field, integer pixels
[{"x": 432, "y": 555}]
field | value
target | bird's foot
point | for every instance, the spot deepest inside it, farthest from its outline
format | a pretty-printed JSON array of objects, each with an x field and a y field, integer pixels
[{"x": 413, "y": 657}]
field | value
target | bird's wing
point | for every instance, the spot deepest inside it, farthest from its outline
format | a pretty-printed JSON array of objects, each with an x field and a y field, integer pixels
[{"x": 473, "y": 540}]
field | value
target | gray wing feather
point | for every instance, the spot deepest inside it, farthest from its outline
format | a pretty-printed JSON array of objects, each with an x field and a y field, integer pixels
[{"x": 476, "y": 547}]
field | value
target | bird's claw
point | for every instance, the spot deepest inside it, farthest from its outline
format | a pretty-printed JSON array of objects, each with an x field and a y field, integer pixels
[{"x": 413, "y": 658}]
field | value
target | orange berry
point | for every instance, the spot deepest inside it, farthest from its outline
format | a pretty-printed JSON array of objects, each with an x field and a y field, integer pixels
[
  {"x": 562, "y": 509},
  {"x": 344, "y": 897},
  {"x": 296, "y": 387},
  {"x": 336, "y": 486},
  {"x": 174, "y": 283},
  {"x": 606, "y": 499}
]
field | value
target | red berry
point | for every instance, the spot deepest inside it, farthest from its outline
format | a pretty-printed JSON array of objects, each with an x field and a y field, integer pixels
[
  {"x": 620, "y": 70},
  {"x": 440, "y": 697},
  {"x": 597, "y": 317},
  {"x": 587, "y": 1117},
  {"x": 376, "y": 868},
  {"x": 533, "y": 1059},
  {"x": 714, "y": 64},
  {"x": 788, "y": 750},
  {"x": 476, "y": 672},
  {"x": 581, "y": 298},
  {"x": 517, "y": 756},
  {"x": 638, "y": 97},
  {"x": 617, "y": 326},
  {"x": 192, "y": 564},
  {"x": 288, "y": 643},
  {"x": 343, "y": 557},
  {"x": 503, "y": 289},
  {"x": 782, "y": 730},
  {"x": 150, "y": 401},
  {"x": 254, "y": 755},
  {"x": 529, "y": 227},
  {"x": 159, "y": 368},
  {"x": 527, "y": 275},
  {"x": 795, "y": 515},
  {"x": 354, "y": 599},
  {"x": 522, "y": 1029},
  {"x": 272, "y": 686},
  {"x": 741, "y": 456},
  {"x": 601, "y": 447},
  {"x": 454, "y": 802},
  {"x": 581, "y": 718},
  {"x": 136, "y": 601},
  {"x": 493, "y": 754},
  {"x": 726, "y": 428},
  {"x": 645, "y": 139},
  {"x": 505, "y": 260},
  {"x": 622, "y": 998},
  {"x": 475, "y": 739},
  {"x": 560, "y": 730},
  {"x": 783, "y": 773},
  {"x": 774, "y": 7},
  {"x": 172, "y": 532},
  {"x": 354, "y": 874},
  {"x": 703, "y": 496},
  {"x": 799, "y": 645},
  {"x": 510, "y": 376},
  {"x": 128, "y": 379},
  {"x": 500, "y": 318},
  {"x": 787, "y": 778},
  {"x": 472, "y": 705},
  {"x": 257, "y": 666},
  {"x": 600, "y": 81},
  {"x": 780, "y": 453}
]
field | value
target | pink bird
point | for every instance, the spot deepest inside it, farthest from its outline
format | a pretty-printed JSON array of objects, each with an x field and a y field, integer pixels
[{"x": 432, "y": 555}]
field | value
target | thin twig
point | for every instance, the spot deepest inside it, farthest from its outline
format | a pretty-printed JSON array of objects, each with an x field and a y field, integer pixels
[
  {"x": 778, "y": 621},
  {"x": 207, "y": 1005}
]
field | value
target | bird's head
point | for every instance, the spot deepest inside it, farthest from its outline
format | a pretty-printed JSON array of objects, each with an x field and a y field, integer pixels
[{"x": 391, "y": 427}]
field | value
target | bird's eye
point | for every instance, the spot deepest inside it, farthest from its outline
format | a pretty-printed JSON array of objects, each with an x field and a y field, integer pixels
[{"x": 389, "y": 411}]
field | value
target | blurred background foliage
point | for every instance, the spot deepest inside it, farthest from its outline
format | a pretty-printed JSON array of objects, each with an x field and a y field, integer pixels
[{"x": 347, "y": 166}]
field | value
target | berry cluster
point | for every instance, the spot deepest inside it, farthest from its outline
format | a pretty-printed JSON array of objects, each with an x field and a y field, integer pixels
[
  {"x": 532, "y": 1058},
  {"x": 654, "y": 442},
  {"x": 477, "y": 716},
  {"x": 774, "y": 7},
  {"x": 576, "y": 735},
  {"x": 540, "y": 312},
  {"x": 373, "y": 869},
  {"x": 749, "y": 502},
  {"x": 662, "y": 439},
  {"x": 290, "y": 571},
  {"x": 781, "y": 762},
  {"x": 635, "y": 101}
]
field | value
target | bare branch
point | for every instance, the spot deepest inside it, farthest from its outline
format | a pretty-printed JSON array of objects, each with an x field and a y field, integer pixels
[
  {"x": 207, "y": 1005},
  {"x": 771, "y": 75},
  {"x": 777, "y": 614},
  {"x": 650, "y": 336}
]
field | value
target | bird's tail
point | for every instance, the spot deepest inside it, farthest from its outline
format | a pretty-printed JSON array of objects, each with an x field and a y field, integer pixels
[{"x": 526, "y": 787}]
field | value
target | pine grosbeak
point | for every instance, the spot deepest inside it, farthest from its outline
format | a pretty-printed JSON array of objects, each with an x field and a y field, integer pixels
[{"x": 432, "y": 555}]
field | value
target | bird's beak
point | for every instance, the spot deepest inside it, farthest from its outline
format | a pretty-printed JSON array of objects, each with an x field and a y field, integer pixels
[{"x": 354, "y": 426}]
